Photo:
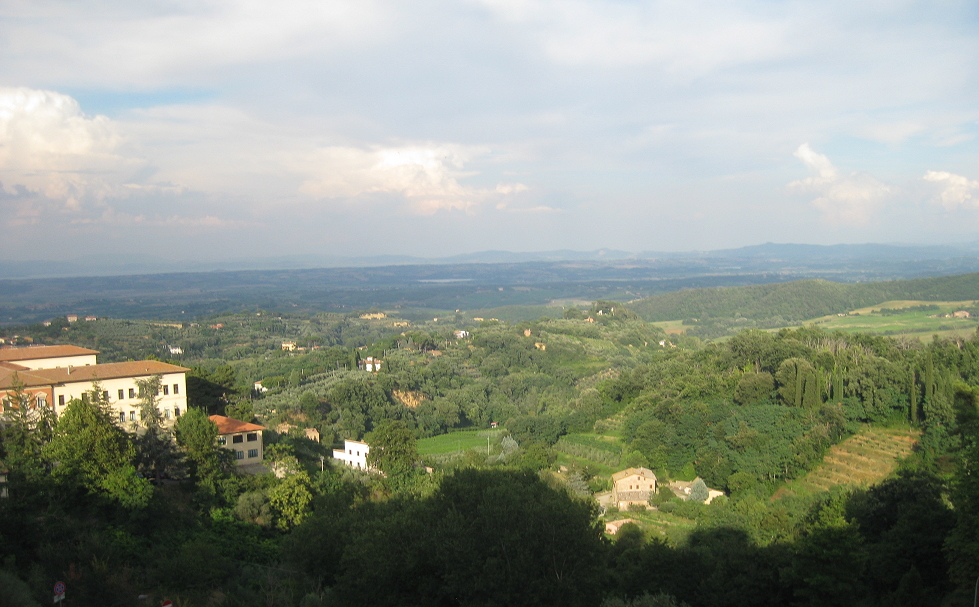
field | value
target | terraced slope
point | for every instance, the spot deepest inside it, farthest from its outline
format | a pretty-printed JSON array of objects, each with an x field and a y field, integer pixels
[{"x": 862, "y": 460}]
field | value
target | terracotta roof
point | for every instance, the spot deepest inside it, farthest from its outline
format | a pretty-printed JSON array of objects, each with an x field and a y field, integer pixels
[
  {"x": 229, "y": 425},
  {"x": 87, "y": 373},
  {"x": 630, "y": 471},
  {"x": 37, "y": 352}
]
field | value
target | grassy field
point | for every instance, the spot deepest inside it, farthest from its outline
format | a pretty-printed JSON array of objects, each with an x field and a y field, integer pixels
[
  {"x": 923, "y": 323},
  {"x": 863, "y": 459},
  {"x": 671, "y": 326},
  {"x": 459, "y": 442},
  {"x": 669, "y": 527}
]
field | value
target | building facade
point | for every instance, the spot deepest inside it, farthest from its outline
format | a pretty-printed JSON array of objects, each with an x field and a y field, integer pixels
[
  {"x": 633, "y": 487},
  {"x": 54, "y": 375},
  {"x": 243, "y": 438},
  {"x": 353, "y": 454}
]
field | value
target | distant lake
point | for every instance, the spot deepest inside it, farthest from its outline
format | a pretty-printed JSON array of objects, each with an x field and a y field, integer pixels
[{"x": 444, "y": 279}]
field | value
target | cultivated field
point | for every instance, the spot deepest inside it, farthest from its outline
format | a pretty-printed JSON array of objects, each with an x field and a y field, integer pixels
[
  {"x": 924, "y": 323},
  {"x": 457, "y": 443},
  {"x": 861, "y": 460}
]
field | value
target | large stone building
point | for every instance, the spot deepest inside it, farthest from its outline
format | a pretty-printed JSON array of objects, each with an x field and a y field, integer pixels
[
  {"x": 633, "y": 487},
  {"x": 54, "y": 375}
]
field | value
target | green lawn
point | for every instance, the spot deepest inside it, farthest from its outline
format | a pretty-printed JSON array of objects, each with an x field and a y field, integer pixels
[{"x": 459, "y": 442}]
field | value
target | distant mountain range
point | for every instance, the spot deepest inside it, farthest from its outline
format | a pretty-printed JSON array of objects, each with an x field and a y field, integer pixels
[{"x": 114, "y": 265}]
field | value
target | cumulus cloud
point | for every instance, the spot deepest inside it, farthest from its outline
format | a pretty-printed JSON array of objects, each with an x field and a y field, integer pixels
[
  {"x": 216, "y": 164},
  {"x": 843, "y": 199},
  {"x": 956, "y": 191},
  {"x": 426, "y": 176},
  {"x": 48, "y": 146}
]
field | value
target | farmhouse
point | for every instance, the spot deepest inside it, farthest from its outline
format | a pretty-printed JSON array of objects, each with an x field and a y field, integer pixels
[
  {"x": 54, "y": 375},
  {"x": 243, "y": 438},
  {"x": 633, "y": 486},
  {"x": 353, "y": 454},
  {"x": 370, "y": 364}
]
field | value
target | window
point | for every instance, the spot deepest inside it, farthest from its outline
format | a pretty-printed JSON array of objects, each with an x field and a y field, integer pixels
[
  {"x": 237, "y": 438},
  {"x": 132, "y": 416},
  {"x": 252, "y": 437},
  {"x": 166, "y": 414},
  {"x": 239, "y": 455},
  {"x": 132, "y": 393},
  {"x": 61, "y": 400},
  {"x": 222, "y": 440},
  {"x": 166, "y": 389},
  {"x": 42, "y": 400},
  {"x": 105, "y": 395},
  {"x": 176, "y": 411},
  {"x": 176, "y": 388},
  {"x": 122, "y": 394},
  {"x": 122, "y": 418},
  {"x": 253, "y": 453}
]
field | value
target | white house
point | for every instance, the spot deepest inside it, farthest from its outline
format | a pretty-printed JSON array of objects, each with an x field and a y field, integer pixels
[
  {"x": 353, "y": 454},
  {"x": 370, "y": 364}
]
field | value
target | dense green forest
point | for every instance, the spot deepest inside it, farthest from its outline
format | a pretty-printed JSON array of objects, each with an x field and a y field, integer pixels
[{"x": 514, "y": 522}]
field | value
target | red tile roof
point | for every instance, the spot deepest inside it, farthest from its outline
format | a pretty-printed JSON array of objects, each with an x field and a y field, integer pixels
[
  {"x": 37, "y": 352},
  {"x": 229, "y": 425},
  {"x": 87, "y": 373}
]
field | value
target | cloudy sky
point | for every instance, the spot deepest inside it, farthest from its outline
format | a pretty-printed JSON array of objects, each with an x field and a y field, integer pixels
[{"x": 210, "y": 129}]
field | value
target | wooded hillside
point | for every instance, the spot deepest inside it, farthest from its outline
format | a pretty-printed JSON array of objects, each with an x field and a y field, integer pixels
[{"x": 800, "y": 300}]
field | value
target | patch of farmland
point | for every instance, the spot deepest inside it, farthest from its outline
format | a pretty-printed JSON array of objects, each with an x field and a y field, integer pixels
[{"x": 861, "y": 460}]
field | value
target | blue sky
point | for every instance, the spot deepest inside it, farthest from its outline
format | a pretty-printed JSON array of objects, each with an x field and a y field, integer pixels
[{"x": 224, "y": 129}]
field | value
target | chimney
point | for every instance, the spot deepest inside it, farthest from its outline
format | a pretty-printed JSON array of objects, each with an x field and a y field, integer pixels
[{"x": 69, "y": 369}]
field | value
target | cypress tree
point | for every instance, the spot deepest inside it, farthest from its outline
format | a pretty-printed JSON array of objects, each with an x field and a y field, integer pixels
[
  {"x": 799, "y": 384},
  {"x": 914, "y": 399},
  {"x": 838, "y": 385},
  {"x": 929, "y": 378}
]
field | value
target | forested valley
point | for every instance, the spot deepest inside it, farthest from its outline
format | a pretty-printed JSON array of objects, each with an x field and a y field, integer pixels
[{"x": 548, "y": 409}]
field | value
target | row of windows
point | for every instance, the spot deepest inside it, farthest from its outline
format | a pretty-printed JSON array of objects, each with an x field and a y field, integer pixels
[
  {"x": 42, "y": 400},
  {"x": 132, "y": 414},
  {"x": 132, "y": 391},
  {"x": 251, "y": 453}
]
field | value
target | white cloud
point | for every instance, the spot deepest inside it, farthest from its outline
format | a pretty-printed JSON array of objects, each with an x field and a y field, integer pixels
[
  {"x": 90, "y": 165},
  {"x": 842, "y": 199},
  {"x": 426, "y": 175},
  {"x": 690, "y": 37},
  {"x": 956, "y": 191},
  {"x": 179, "y": 41},
  {"x": 48, "y": 146}
]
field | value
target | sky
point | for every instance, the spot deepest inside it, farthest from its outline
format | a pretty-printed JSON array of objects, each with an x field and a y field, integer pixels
[{"x": 218, "y": 129}]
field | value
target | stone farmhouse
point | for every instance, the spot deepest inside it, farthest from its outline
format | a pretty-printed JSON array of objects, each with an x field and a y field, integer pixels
[
  {"x": 633, "y": 486},
  {"x": 54, "y": 375}
]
